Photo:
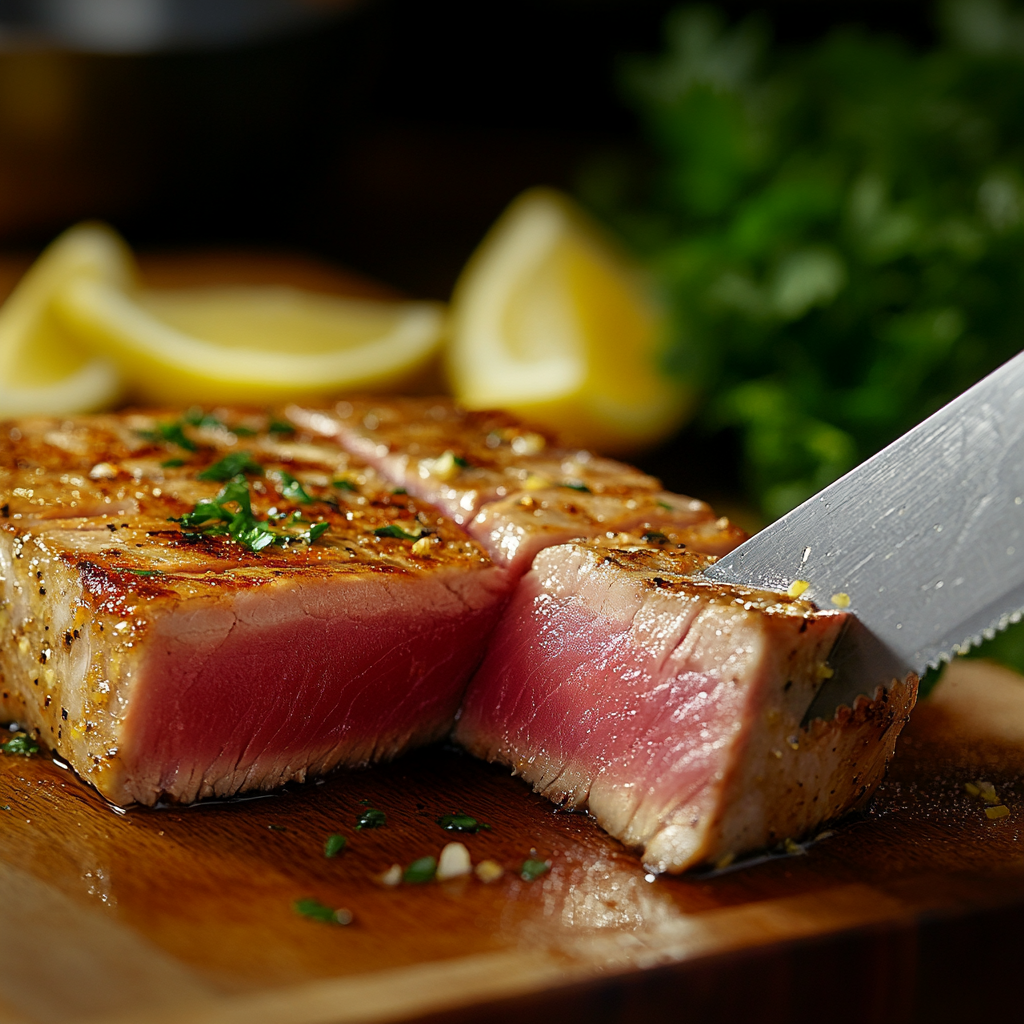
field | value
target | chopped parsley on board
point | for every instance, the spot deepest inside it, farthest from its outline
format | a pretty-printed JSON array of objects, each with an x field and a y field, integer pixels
[
  {"x": 533, "y": 869},
  {"x": 461, "y": 823},
  {"x": 335, "y": 844},
  {"x": 371, "y": 818},
  {"x": 420, "y": 871},
  {"x": 317, "y": 911}
]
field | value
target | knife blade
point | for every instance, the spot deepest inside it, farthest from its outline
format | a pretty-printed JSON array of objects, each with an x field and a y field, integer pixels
[{"x": 923, "y": 542}]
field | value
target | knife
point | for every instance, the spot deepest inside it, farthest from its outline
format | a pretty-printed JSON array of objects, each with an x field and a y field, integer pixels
[{"x": 923, "y": 542}]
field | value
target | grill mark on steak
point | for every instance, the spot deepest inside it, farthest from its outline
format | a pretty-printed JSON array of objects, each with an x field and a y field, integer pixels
[
  {"x": 200, "y": 667},
  {"x": 515, "y": 489}
]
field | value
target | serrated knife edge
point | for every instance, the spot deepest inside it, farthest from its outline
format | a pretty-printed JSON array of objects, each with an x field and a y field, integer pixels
[{"x": 926, "y": 538}]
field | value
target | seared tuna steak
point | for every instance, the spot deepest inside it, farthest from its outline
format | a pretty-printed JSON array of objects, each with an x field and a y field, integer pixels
[
  {"x": 198, "y": 605},
  {"x": 515, "y": 489},
  {"x": 670, "y": 707}
]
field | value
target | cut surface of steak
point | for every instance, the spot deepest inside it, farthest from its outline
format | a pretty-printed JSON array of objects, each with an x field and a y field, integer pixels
[
  {"x": 671, "y": 707},
  {"x": 296, "y": 615},
  {"x": 514, "y": 489}
]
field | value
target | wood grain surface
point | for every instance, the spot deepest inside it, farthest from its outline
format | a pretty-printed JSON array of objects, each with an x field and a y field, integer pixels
[
  {"x": 909, "y": 912},
  {"x": 186, "y": 914}
]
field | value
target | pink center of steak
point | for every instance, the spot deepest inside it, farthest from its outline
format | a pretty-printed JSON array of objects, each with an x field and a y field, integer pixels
[
  {"x": 259, "y": 685},
  {"x": 621, "y": 681},
  {"x": 588, "y": 712}
]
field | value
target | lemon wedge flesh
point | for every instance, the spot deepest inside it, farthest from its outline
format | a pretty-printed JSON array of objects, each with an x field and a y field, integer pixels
[
  {"x": 43, "y": 367},
  {"x": 248, "y": 343},
  {"x": 551, "y": 321}
]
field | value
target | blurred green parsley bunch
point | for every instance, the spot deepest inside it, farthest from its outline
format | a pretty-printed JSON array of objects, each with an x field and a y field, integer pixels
[{"x": 838, "y": 230}]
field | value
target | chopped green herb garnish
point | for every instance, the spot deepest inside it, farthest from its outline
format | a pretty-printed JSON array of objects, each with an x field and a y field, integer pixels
[
  {"x": 171, "y": 432},
  {"x": 21, "y": 744},
  {"x": 291, "y": 488},
  {"x": 317, "y": 911},
  {"x": 460, "y": 462},
  {"x": 195, "y": 417},
  {"x": 399, "y": 490},
  {"x": 5, "y": 807},
  {"x": 172, "y": 463},
  {"x": 280, "y": 427},
  {"x": 233, "y": 464},
  {"x": 460, "y": 823},
  {"x": 665, "y": 505},
  {"x": 656, "y": 536},
  {"x": 372, "y": 818},
  {"x": 393, "y": 530},
  {"x": 216, "y": 518},
  {"x": 533, "y": 869},
  {"x": 576, "y": 485},
  {"x": 146, "y": 572},
  {"x": 240, "y": 431},
  {"x": 334, "y": 845},
  {"x": 420, "y": 871},
  {"x": 314, "y": 532},
  {"x": 344, "y": 485}
]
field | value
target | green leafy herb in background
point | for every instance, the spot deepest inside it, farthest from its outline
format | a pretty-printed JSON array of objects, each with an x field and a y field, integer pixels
[{"x": 838, "y": 230}]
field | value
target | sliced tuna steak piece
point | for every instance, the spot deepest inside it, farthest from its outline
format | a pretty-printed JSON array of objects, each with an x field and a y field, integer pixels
[
  {"x": 459, "y": 460},
  {"x": 670, "y": 708},
  {"x": 297, "y": 616},
  {"x": 515, "y": 489},
  {"x": 515, "y": 529}
]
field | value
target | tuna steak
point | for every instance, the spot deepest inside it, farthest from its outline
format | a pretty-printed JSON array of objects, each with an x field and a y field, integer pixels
[
  {"x": 515, "y": 489},
  {"x": 298, "y": 614},
  {"x": 620, "y": 682}
]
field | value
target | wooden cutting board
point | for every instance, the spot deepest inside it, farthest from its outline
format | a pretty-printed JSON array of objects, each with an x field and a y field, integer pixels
[
  {"x": 912, "y": 911},
  {"x": 185, "y": 914}
]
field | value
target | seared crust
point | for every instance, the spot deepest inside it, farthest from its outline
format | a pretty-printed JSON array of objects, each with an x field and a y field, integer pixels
[
  {"x": 462, "y": 459},
  {"x": 94, "y": 567},
  {"x": 515, "y": 489}
]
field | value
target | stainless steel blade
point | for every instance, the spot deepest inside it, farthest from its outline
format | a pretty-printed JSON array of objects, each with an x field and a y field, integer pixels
[{"x": 926, "y": 538}]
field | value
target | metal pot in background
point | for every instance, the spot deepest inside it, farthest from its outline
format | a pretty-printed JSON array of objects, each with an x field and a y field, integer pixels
[
  {"x": 143, "y": 26},
  {"x": 193, "y": 113}
]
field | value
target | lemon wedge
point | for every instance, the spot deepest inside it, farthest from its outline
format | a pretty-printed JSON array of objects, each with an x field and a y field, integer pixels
[
  {"x": 551, "y": 321},
  {"x": 249, "y": 343},
  {"x": 43, "y": 368}
]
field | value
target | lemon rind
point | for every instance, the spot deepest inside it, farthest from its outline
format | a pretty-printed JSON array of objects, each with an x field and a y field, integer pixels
[{"x": 110, "y": 320}]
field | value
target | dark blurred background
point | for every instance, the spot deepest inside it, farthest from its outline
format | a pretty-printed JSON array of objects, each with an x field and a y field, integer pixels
[{"x": 382, "y": 134}]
